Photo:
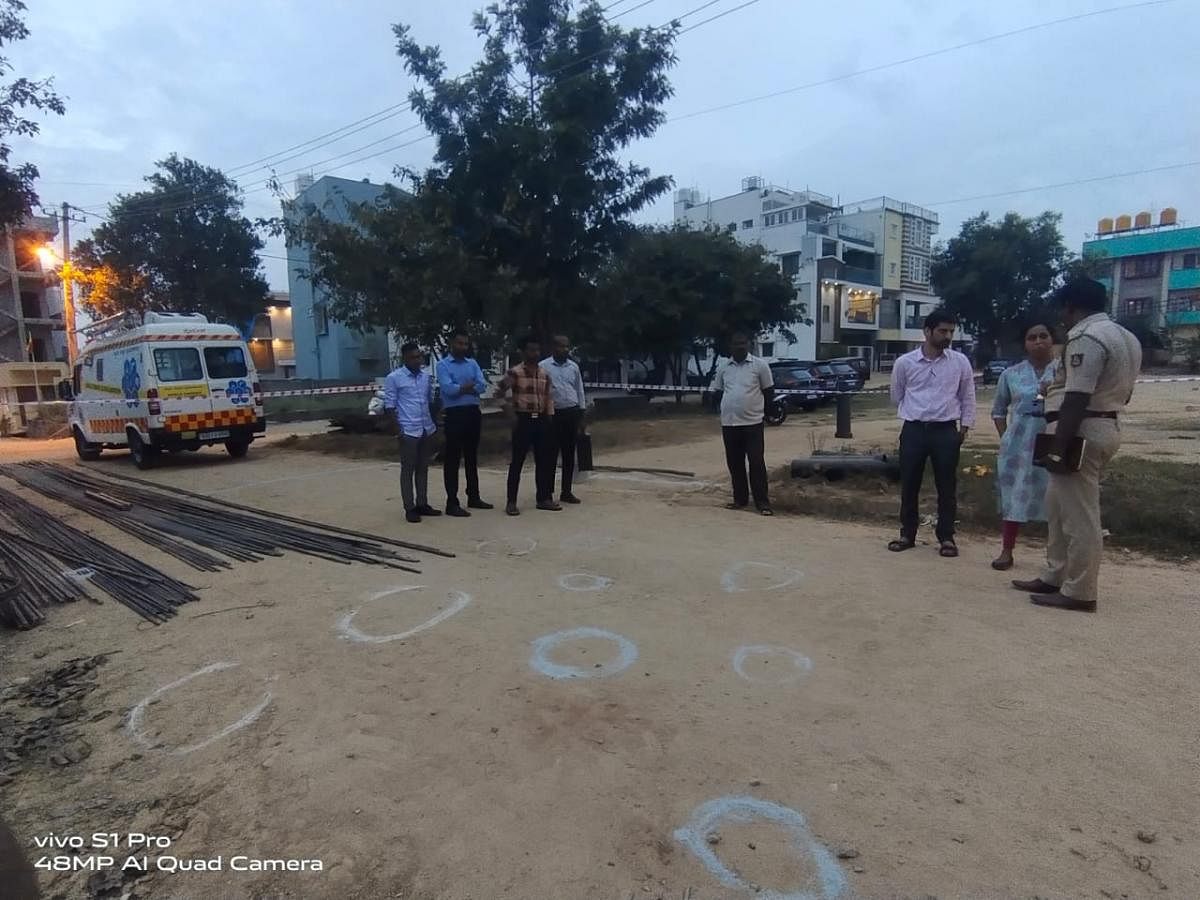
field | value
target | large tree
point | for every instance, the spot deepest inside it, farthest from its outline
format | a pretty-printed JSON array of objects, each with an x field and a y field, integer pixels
[
  {"x": 528, "y": 194},
  {"x": 183, "y": 245},
  {"x": 17, "y": 196},
  {"x": 994, "y": 273},
  {"x": 674, "y": 293}
]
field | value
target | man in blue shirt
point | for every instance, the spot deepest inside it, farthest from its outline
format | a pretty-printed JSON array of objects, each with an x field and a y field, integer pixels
[
  {"x": 409, "y": 391},
  {"x": 461, "y": 382}
]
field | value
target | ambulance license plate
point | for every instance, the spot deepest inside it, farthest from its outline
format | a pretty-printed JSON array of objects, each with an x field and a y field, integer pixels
[{"x": 213, "y": 435}]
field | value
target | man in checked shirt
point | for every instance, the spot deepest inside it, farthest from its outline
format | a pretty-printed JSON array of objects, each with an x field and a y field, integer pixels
[{"x": 533, "y": 405}]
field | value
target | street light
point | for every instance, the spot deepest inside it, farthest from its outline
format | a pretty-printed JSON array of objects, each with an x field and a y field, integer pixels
[{"x": 50, "y": 259}]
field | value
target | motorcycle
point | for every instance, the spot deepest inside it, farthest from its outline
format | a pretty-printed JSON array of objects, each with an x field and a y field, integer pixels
[{"x": 776, "y": 413}]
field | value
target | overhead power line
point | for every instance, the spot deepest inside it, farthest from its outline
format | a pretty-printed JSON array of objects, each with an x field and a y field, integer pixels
[
  {"x": 912, "y": 59},
  {"x": 1062, "y": 184}
]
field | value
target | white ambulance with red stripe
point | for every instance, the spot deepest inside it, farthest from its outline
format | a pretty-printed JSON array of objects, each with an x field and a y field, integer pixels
[{"x": 173, "y": 382}]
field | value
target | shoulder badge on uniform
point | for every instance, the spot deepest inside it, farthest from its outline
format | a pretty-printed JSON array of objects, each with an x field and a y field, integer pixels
[{"x": 1076, "y": 360}]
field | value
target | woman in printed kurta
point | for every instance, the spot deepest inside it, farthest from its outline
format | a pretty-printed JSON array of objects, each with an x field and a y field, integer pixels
[{"x": 1019, "y": 419}]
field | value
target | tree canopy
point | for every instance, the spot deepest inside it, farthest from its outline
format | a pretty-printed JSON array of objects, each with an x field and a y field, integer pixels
[
  {"x": 17, "y": 195},
  {"x": 675, "y": 293},
  {"x": 182, "y": 246},
  {"x": 528, "y": 195},
  {"x": 995, "y": 273}
]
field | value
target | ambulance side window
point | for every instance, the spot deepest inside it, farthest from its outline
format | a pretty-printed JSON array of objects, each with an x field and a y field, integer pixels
[
  {"x": 178, "y": 364},
  {"x": 100, "y": 369}
]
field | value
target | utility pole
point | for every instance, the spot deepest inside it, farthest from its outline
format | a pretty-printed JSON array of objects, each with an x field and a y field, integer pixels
[{"x": 68, "y": 286}]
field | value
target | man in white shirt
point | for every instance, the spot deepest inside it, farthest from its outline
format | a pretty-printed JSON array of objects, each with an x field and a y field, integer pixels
[
  {"x": 566, "y": 387},
  {"x": 744, "y": 387}
]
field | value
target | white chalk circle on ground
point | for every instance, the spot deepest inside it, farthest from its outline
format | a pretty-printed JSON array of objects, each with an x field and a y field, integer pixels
[
  {"x": 797, "y": 666},
  {"x": 506, "y": 547},
  {"x": 627, "y": 654},
  {"x": 828, "y": 881},
  {"x": 582, "y": 582},
  {"x": 136, "y": 723},
  {"x": 345, "y": 626},
  {"x": 734, "y": 579}
]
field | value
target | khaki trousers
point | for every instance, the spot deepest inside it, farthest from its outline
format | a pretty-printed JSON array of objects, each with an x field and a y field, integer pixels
[{"x": 1076, "y": 541}]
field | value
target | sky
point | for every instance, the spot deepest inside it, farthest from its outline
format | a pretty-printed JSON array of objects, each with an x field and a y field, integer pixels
[{"x": 228, "y": 83}]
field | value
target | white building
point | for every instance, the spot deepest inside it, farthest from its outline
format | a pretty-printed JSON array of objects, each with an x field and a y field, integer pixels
[{"x": 861, "y": 271}]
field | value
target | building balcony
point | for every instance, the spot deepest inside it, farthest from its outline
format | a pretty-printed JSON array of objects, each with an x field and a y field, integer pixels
[
  {"x": 859, "y": 275},
  {"x": 1183, "y": 317},
  {"x": 1183, "y": 279}
]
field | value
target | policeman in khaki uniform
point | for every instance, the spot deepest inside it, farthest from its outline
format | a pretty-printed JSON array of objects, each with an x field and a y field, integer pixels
[{"x": 1095, "y": 381}]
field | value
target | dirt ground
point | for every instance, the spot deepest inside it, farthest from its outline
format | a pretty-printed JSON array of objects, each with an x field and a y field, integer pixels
[{"x": 906, "y": 726}]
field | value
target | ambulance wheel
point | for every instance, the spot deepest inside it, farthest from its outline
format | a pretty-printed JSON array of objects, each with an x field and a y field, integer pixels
[
  {"x": 237, "y": 449},
  {"x": 144, "y": 456},
  {"x": 87, "y": 452}
]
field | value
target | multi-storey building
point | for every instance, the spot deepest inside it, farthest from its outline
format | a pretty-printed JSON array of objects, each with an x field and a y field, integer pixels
[
  {"x": 33, "y": 342},
  {"x": 1152, "y": 271},
  {"x": 325, "y": 349},
  {"x": 270, "y": 339},
  {"x": 861, "y": 271}
]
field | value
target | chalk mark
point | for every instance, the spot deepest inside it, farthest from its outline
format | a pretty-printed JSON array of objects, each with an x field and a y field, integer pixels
[
  {"x": 801, "y": 664},
  {"x": 830, "y": 880},
  {"x": 345, "y": 625},
  {"x": 539, "y": 660},
  {"x": 730, "y": 580},
  {"x": 504, "y": 547},
  {"x": 582, "y": 582},
  {"x": 135, "y": 724}
]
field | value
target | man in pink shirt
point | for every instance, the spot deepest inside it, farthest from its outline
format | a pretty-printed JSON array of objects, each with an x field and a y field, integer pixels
[{"x": 933, "y": 388}]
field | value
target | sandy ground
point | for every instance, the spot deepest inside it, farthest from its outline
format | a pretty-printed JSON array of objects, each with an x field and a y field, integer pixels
[{"x": 912, "y": 712}]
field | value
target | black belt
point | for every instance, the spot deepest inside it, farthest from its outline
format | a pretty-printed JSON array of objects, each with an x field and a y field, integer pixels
[
  {"x": 931, "y": 424},
  {"x": 1088, "y": 414}
]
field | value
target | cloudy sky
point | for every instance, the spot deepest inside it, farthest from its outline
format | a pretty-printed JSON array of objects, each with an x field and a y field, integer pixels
[{"x": 229, "y": 83}]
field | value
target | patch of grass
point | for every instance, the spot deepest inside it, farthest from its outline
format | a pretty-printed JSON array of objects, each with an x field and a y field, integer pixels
[
  {"x": 1150, "y": 506},
  {"x": 297, "y": 409}
]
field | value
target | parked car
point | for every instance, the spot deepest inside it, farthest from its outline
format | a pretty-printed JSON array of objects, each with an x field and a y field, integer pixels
[
  {"x": 848, "y": 377},
  {"x": 860, "y": 364},
  {"x": 796, "y": 386},
  {"x": 993, "y": 370}
]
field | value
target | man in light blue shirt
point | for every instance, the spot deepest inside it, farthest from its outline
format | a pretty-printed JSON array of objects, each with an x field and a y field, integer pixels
[
  {"x": 566, "y": 387},
  {"x": 461, "y": 382},
  {"x": 409, "y": 391}
]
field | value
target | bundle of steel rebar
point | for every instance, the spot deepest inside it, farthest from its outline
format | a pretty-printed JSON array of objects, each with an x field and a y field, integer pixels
[
  {"x": 166, "y": 520},
  {"x": 38, "y": 547}
]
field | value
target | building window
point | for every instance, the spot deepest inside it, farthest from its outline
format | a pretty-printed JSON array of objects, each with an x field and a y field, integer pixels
[
  {"x": 748, "y": 223},
  {"x": 1141, "y": 267},
  {"x": 1137, "y": 306},
  {"x": 100, "y": 369},
  {"x": 1184, "y": 303},
  {"x": 789, "y": 264},
  {"x": 768, "y": 349},
  {"x": 825, "y": 314},
  {"x": 731, "y": 227},
  {"x": 1189, "y": 261},
  {"x": 891, "y": 268},
  {"x": 895, "y": 229},
  {"x": 320, "y": 320}
]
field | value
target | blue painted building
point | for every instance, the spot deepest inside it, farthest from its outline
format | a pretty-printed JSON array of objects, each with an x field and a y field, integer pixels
[
  {"x": 324, "y": 348},
  {"x": 1152, "y": 271}
]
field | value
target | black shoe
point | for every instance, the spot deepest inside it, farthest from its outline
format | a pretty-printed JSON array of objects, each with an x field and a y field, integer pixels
[
  {"x": 476, "y": 503},
  {"x": 549, "y": 506},
  {"x": 428, "y": 510},
  {"x": 1036, "y": 586},
  {"x": 512, "y": 510},
  {"x": 568, "y": 497},
  {"x": 457, "y": 512},
  {"x": 413, "y": 516},
  {"x": 1062, "y": 601}
]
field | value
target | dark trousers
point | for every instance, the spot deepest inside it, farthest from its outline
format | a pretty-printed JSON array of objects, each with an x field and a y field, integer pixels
[
  {"x": 566, "y": 432},
  {"x": 742, "y": 443},
  {"x": 534, "y": 434},
  {"x": 463, "y": 426},
  {"x": 415, "y": 453},
  {"x": 921, "y": 442}
]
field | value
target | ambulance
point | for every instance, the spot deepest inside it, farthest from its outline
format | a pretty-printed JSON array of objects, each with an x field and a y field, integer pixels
[{"x": 170, "y": 383}]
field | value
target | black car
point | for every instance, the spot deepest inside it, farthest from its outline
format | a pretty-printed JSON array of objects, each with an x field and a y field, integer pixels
[
  {"x": 848, "y": 377},
  {"x": 860, "y": 364},
  {"x": 796, "y": 386},
  {"x": 993, "y": 370}
]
